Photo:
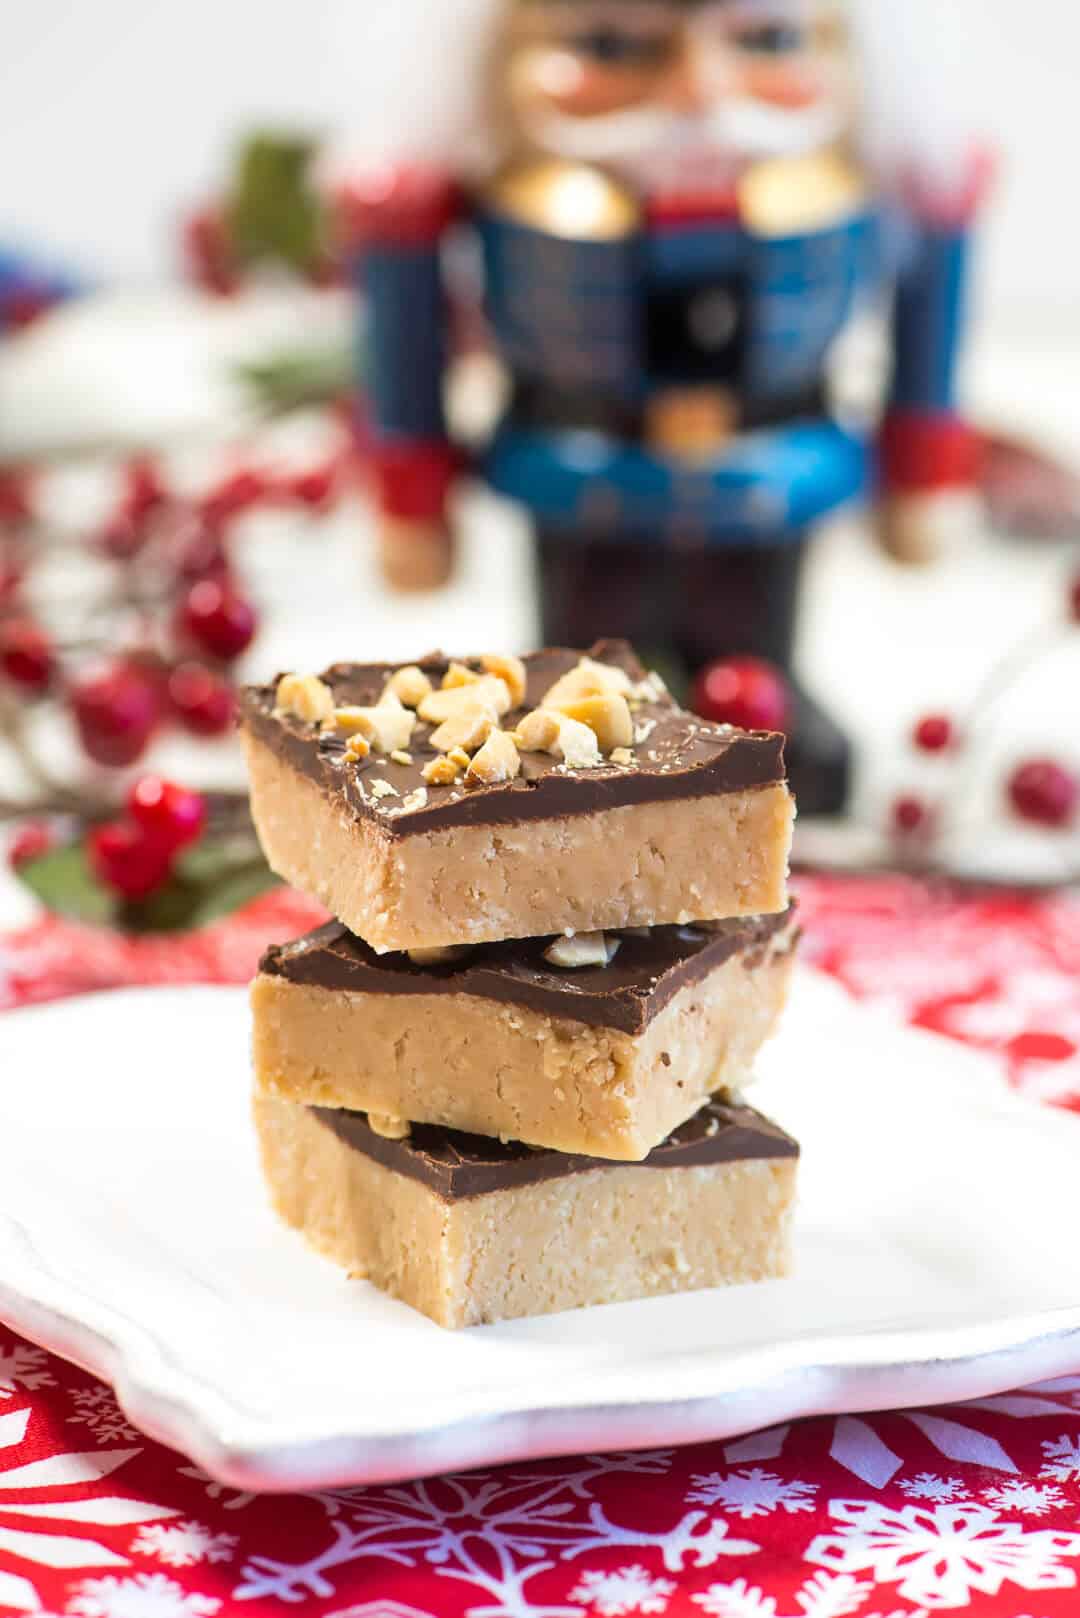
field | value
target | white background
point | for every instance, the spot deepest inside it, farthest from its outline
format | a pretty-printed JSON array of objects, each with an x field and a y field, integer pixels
[{"x": 113, "y": 114}]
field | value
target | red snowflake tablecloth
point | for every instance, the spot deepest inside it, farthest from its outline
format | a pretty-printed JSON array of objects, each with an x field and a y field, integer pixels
[{"x": 973, "y": 1506}]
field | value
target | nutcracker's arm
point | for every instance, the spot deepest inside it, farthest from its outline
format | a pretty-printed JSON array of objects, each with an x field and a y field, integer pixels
[
  {"x": 395, "y": 221},
  {"x": 928, "y": 452}
]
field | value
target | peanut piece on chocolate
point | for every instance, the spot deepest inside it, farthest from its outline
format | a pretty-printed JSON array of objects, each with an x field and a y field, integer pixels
[
  {"x": 607, "y": 716},
  {"x": 582, "y": 949},
  {"x": 497, "y": 760},
  {"x": 400, "y": 756},
  {"x": 468, "y": 729},
  {"x": 458, "y": 674},
  {"x": 304, "y": 696},
  {"x": 458, "y": 756},
  {"x": 576, "y": 744},
  {"x": 381, "y": 788},
  {"x": 588, "y": 679},
  {"x": 438, "y": 954},
  {"x": 389, "y": 1127},
  {"x": 441, "y": 771},
  {"x": 357, "y": 746},
  {"x": 512, "y": 671},
  {"x": 410, "y": 685},
  {"x": 621, "y": 755},
  {"x": 487, "y": 691},
  {"x": 538, "y": 732},
  {"x": 388, "y": 726}
]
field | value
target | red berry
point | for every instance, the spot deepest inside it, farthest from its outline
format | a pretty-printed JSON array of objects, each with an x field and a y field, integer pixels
[
  {"x": 123, "y": 536},
  {"x": 201, "y": 699},
  {"x": 26, "y": 653},
  {"x": 1074, "y": 600},
  {"x": 933, "y": 733},
  {"x": 911, "y": 815},
  {"x": 30, "y": 842},
  {"x": 218, "y": 618},
  {"x": 11, "y": 577},
  {"x": 170, "y": 815},
  {"x": 315, "y": 488},
  {"x": 209, "y": 252},
  {"x": 743, "y": 691},
  {"x": 1044, "y": 792},
  {"x": 145, "y": 491},
  {"x": 116, "y": 711},
  {"x": 14, "y": 497},
  {"x": 126, "y": 859},
  {"x": 236, "y": 493},
  {"x": 195, "y": 549}
]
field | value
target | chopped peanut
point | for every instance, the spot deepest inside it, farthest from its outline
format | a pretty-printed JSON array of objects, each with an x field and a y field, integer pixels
[
  {"x": 304, "y": 696},
  {"x": 468, "y": 729},
  {"x": 537, "y": 732},
  {"x": 458, "y": 675},
  {"x": 512, "y": 671},
  {"x": 416, "y": 799},
  {"x": 576, "y": 744},
  {"x": 621, "y": 755},
  {"x": 588, "y": 679},
  {"x": 441, "y": 771},
  {"x": 400, "y": 756},
  {"x": 487, "y": 691},
  {"x": 496, "y": 761},
  {"x": 381, "y": 788},
  {"x": 608, "y": 716},
  {"x": 438, "y": 954},
  {"x": 458, "y": 756},
  {"x": 410, "y": 685},
  {"x": 357, "y": 745},
  {"x": 385, "y": 1124},
  {"x": 388, "y": 726},
  {"x": 582, "y": 949}
]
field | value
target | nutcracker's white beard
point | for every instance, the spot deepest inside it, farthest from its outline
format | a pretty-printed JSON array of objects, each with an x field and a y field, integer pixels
[{"x": 659, "y": 149}]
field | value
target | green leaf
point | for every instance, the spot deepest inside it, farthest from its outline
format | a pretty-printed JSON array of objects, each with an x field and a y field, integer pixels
[
  {"x": 244, "y": 884},
  {"x": 64, "y": 882}
]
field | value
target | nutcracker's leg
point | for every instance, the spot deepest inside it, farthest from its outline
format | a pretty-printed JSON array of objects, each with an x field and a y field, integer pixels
[
  {"x": 745, "y": 599},
  {"x": 691, "y": 608},
  {"x": 590, "y": 589}
]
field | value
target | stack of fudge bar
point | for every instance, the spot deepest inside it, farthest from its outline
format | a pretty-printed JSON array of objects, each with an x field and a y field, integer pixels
[{"x": 507, "y": 1080}]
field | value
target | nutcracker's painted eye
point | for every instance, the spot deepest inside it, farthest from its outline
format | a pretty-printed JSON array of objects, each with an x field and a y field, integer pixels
[
  {"x": 771, "y": 38},
  {"x": 611, "y": 46}
]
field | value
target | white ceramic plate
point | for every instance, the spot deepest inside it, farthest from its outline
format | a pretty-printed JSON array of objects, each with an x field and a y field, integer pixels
[{"x": 937, "y": 1259}]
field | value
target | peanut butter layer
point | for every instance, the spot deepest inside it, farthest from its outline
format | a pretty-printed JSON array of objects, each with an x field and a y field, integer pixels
[
  {"x": 468, "y": 1232},
  {"x": 693, "y": 822},
  {"x": 605, "y": 1060}
]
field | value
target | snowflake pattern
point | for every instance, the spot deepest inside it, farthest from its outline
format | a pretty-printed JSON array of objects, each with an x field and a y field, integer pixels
[
  {"x": 1029, "y": 1499},
  {"x": 1062, "y": 1457},
  {"x": 145, "y": 1595},
  {"x": 24, "y": 1367},
  {"x": 824, "y": 1595},
  {"x": 928, "y": 1486},
  {"x": 184, "y": 1543},
  {"x": 496, "y": 1532},
  {"x": 231, "y": 1499},
  {"x": 938, "y": 1555},
  {"x": 626, "y": 1590},
  {"x": 96, "y": 1408},
  {"x": 751, "y": 1493}
]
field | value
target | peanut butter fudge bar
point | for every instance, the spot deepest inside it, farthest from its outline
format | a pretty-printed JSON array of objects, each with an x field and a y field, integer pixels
[
  {"x": 467, "y": 1230},
  {"x": 450, "y": 802},
  {"x": 600, "y": 1043}
]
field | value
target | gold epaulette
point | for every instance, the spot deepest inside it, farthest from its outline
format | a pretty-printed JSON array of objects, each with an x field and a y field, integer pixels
[
  {"x": 790, "y": 196},
  {"x": 570, "y": 200}
]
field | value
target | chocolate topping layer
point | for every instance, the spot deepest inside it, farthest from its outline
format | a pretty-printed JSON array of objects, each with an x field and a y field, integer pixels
[
  {"x": 646, "y": 972},
  {"x": 681, "y": 757},
  {"x": 455, "y": 1165}
]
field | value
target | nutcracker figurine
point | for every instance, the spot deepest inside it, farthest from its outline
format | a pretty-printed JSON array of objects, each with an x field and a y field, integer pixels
[{"x": 681, "y": 208}]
